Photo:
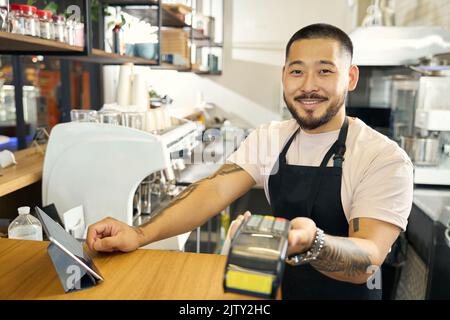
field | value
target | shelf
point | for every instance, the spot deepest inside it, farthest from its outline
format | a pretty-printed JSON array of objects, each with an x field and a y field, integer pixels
[
  {"x": 16, "y": 43},
  {"x": 130, "y": 2},
  {"x": 150, "y": 15},
  {"x": 205, "y": 43},
  {"x": 200, "y": 40},
  {"x": 198, "y": 35},
  {"x": 103, "y": 57},
  {"x": 106, "y": 57},
  {"x": 207, "y": 73},
  {"x": 168, "y": 66}
]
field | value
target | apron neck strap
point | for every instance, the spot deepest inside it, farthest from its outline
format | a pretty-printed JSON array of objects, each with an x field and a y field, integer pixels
[
  {"x": 286, "y": 147},
  {"x": 338, "y": 148}
]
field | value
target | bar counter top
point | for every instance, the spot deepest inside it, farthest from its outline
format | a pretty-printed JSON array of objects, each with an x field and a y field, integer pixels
[
  {"x": 26, "y": 272},
  {"x": 30, "y": 163}
]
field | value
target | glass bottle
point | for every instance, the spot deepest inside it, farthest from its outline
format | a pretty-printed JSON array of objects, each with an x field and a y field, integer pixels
[{"x": 118, "y": 35}]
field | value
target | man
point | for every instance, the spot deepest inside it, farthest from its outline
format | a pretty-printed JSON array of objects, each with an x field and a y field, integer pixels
[{"x": 346, "y": 188}]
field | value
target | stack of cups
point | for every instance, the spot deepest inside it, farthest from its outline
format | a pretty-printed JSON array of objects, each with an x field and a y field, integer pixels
[
  {"x": 167, "y": 119},
  {"x": 157, "y": 120},
  {"x": 160, "y": 119},
  {"x": 150, "y": 121},
  {"x": 139, "y": 93},
  {"x": 124, "y": 86}
]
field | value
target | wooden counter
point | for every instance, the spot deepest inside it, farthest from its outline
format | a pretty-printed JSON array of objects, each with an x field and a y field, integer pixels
[
  {"x": 26, "y": 272},
  {"x": 28, "y": 170}
]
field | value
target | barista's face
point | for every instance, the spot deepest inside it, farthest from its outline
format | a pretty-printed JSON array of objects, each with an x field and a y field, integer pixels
[{"x": 316, "y": 78}]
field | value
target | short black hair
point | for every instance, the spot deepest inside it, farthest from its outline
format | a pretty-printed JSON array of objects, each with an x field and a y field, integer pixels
[{"x": 322, "y": 30}]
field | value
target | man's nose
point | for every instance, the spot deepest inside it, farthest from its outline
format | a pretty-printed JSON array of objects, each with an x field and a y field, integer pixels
[{"x": 309, "y": 83}]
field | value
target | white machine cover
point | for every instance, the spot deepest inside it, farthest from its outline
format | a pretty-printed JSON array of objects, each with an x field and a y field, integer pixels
[{"x": 100, "y": 166}]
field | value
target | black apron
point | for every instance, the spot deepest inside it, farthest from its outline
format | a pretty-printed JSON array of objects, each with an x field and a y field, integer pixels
[{"x": 314, "y": 192}]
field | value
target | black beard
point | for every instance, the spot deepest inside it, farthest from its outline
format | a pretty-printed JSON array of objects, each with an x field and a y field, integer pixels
[{"x": 310, "y": 123}]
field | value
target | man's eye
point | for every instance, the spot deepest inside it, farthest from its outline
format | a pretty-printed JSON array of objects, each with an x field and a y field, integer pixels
[
  {"x": 325, "y": 71},
  {"x": 296, "y": 72}
]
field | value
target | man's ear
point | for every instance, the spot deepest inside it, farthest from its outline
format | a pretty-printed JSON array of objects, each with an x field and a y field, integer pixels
[
  {"x": 353, "y": 77},
  {"x": 282, "y": 74}
]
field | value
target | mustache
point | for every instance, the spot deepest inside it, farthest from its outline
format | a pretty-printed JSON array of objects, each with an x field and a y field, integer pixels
[{"x": 310, "y": 96}]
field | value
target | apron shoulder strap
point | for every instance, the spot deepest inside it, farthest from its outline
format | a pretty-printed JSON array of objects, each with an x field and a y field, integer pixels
[
  {"x": 338, "y": 148},
  {"x": 283, "y": 153}
]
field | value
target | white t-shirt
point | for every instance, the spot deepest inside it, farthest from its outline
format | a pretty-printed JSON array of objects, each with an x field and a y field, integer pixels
[{"x": 377, "y": 174}]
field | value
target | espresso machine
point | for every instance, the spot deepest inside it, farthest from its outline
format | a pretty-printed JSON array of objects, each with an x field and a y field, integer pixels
[
  {"x": 159, "y": 188},
  {"x": 102, "y": 167},
  {"x": 429, "y": 148}
]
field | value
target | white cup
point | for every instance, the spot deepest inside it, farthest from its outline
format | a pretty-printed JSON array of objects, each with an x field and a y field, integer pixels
[
  {"x": 150, "y": 120},
  {"x": 7, "y": 159},
  {"x": 167, "y": 119},
  {"x": 159, "y": 117},
  {"x": 139, "y": 93},
  {"x": 124, "y": 86}
]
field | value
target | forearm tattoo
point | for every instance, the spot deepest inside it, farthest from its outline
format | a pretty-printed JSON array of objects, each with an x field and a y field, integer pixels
[
  {"x": 342, "y": 255},
  {"x": 223, "y": 171}
]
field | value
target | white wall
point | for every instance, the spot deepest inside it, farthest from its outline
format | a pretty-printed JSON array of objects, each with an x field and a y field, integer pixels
[
  {"x": 423, "y": 13},
  {"x": 260, "y": 30},
  {"x": 256, "y": 33}
]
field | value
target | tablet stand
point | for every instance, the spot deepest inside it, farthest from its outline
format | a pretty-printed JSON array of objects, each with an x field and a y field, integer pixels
[{"x": 73, "y": 276}]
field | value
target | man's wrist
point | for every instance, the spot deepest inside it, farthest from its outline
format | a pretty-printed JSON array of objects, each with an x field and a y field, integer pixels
[
  {"x": 312, "y": 238},
  {"x": 142, "y": 239}
]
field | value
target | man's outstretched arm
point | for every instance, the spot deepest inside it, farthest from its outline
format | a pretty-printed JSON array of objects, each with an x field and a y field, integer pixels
[{"x": 190, "y": 209}]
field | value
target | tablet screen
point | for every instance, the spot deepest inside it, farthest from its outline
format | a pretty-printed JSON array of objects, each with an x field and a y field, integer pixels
[{"x": 67, "y": 243}]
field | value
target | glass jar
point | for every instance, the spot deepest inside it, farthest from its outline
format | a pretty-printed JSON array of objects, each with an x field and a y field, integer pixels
[
  {"x": 23, "y": 20},
  {"x": 3, "y": 15},
  {"x": 75, "y": 33},
  {"x": 59, "y": 28},
  {"x": 79, "y": 34},
  {"x": 45, "y": 24},
  {"x": 70, "y": 32},
  {"x": 82, "y": 115}
]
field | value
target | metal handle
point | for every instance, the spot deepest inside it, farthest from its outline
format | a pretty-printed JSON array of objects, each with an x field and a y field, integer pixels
[{"x": 421, "y": 71}]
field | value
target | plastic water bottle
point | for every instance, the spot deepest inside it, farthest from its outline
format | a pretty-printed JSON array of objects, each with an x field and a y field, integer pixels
[{"x": 25, "y": 226}]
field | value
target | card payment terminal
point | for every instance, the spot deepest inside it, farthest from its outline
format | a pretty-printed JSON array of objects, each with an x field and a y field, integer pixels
[{"x": 256, "y": 259}]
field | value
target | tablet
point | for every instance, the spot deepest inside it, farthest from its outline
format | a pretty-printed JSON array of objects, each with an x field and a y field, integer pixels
[{"x": 68, "y": 244}]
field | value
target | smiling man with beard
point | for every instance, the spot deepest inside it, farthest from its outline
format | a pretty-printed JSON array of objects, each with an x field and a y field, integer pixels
[{"x": 346, "y": 188}]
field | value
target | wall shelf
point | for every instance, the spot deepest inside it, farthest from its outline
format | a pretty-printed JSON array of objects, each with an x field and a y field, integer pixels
[
  {"x": 153, "y": 11},
  {"x": 11, "y": 43},
  {"x": 130, "y": 2},
  {"x": 168, "y": 66},
  {"x": 150, "y": 15},
  {"x": 207, "y": 73},
  {"x": 103, "y": 57}
]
